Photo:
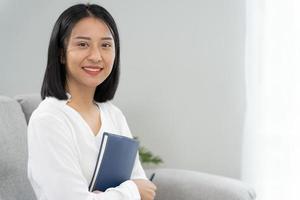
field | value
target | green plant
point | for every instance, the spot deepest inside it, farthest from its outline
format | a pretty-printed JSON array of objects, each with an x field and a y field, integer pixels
[{"x": 147, "y": 156}]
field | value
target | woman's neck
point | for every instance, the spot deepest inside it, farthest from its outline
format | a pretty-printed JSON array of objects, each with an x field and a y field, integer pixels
[{"x": 81, "y": 99}]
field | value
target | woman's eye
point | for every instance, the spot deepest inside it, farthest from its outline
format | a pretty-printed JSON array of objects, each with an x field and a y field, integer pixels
[
  {"x": 106, "y": 45},
  {"x": 83, "y": 44}
]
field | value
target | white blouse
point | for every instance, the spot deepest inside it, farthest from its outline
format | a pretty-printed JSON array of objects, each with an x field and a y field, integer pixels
[{"x": 63, "y": 150}]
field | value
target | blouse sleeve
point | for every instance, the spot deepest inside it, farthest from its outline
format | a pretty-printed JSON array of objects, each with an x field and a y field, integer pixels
[
  {"x": 138, "y": 171},
  {"x": 53, "y": 165}
]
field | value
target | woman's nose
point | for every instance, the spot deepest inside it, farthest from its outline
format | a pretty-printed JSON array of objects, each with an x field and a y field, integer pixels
[{"x": 95, "y": 55}]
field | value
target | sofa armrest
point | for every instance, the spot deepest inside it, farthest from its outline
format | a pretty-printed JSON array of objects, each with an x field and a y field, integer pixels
[{"x": 175, "y": 184}]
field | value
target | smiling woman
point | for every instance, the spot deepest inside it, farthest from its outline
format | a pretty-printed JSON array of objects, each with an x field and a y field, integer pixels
[
  {"x": 89, "y": 55},
  {"x": 65, "y": 131}
]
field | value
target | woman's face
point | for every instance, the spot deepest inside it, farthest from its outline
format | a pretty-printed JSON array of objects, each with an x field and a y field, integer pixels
[{"x": 90, "y": 54}]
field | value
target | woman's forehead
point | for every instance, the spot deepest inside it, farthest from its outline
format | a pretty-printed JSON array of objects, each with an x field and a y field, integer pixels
[{"x": 91, "y": 27}]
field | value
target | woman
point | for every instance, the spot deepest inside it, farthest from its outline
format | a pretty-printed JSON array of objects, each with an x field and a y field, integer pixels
[{"x": 65, "y": 131}]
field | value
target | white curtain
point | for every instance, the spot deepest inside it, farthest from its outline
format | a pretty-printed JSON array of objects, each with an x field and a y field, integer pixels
[{"x": 271, "y": 145}]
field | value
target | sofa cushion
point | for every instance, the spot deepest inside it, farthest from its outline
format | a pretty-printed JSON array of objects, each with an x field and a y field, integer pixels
[
  {"x": 184, "y": 184},
  {"x": 14, "y": 183},
  {"x": 29, "y": 103}
]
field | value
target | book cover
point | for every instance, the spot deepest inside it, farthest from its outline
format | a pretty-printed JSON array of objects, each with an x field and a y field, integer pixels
[{"x": 115, "y": 161}]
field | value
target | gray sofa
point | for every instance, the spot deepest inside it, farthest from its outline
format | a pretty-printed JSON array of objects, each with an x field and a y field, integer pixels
[{"x": 172, "y": 184}]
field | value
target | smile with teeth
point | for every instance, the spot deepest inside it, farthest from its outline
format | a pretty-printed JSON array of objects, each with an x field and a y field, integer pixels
[{"x": 92, "y": 71}]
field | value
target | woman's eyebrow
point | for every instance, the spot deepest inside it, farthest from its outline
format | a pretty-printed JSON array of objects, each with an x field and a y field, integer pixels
[
  {"x": 88, "y": 38},
  {"x": 107, "y": 38},
  {"x": 82, "y": 37}
]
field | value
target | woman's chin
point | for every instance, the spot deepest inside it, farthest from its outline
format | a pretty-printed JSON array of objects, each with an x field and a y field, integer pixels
[{"x": 94, "y": 84}]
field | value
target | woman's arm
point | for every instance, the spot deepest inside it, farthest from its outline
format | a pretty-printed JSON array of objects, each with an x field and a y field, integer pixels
[
  {"x": 146, "y": 188},
  {"x": 53, "y": 165}
]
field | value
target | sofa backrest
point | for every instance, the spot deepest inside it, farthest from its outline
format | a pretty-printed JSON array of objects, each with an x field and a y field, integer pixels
[
  {"x": 28, "y": 102},
  {"x": 14, "y": 184}
]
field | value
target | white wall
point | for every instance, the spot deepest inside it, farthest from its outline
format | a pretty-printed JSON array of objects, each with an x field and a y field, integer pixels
[{"x": 182, "y": 81}]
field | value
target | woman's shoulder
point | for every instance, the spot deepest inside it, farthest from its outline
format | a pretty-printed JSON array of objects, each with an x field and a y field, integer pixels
[
  {"x": 50, "y": 106},
  {"x": 49, "y": 119},
  {"x": 111, "y": 108},
  {"x": 114, "y": 112}
]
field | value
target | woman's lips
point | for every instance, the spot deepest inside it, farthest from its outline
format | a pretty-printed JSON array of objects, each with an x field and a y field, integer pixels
[{"x": 93, "y": 71}]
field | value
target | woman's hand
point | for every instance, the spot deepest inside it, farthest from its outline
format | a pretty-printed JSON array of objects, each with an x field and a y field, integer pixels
[{"x": 146, "y": 188}]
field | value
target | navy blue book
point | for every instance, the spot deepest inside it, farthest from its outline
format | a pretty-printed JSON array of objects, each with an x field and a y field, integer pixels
[{"x": 115, "y": 161}]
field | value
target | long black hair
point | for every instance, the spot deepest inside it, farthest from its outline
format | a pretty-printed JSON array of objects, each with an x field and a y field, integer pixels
[{"x": 55, "y": 75}]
